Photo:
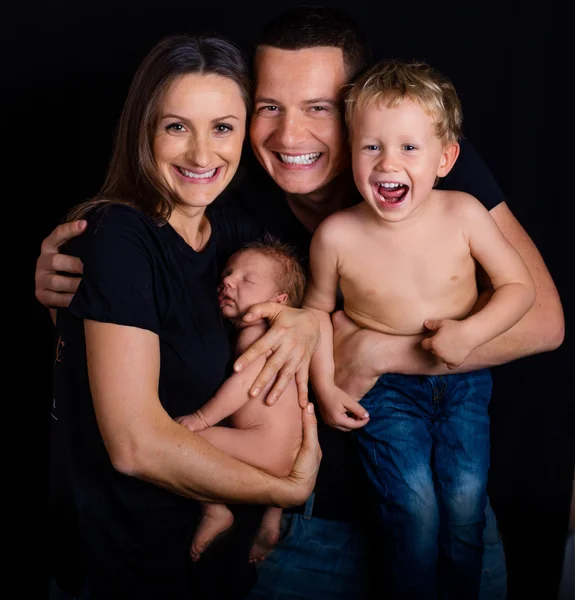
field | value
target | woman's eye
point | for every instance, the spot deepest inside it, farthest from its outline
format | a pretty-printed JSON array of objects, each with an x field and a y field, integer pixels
[
  {"x": 223, "y": 128},
  {"x": 175, "y": 127}
]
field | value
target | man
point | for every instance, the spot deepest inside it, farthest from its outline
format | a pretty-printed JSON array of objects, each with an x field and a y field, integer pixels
[{"x": 302, "y": 60}]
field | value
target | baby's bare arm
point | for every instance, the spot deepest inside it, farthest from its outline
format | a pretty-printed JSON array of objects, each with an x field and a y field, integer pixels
[{"x": 229, "y": 398}]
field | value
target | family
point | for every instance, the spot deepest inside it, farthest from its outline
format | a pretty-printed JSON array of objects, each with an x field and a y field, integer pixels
[{"x": 360, "y": 263}]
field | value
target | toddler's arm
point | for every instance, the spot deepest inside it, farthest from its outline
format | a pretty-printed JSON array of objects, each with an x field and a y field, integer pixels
[
  {"x": 513, "y": 296},
  {"x": 320, "y": 296}
]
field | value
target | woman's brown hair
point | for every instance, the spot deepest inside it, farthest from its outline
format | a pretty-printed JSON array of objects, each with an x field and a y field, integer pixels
[{"x": 132, "y": 177}]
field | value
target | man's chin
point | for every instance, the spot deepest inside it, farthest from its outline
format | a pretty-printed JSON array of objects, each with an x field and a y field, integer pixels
[{"x": 299, "y": 185}]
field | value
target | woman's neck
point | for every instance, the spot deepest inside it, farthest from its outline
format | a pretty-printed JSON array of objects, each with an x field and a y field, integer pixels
[{"x": 193, "y": 227}]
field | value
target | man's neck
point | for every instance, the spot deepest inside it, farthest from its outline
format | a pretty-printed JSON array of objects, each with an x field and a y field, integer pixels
[{"x": 311, "y": 209}]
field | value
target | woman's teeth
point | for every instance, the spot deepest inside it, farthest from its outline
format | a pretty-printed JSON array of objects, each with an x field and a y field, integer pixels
[{"x": 193, "y": 175}]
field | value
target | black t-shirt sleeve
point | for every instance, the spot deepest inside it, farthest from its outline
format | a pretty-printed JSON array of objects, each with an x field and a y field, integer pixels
[
  {"x": 120, "y": 254},
  {"x": 470, "y": 174}
]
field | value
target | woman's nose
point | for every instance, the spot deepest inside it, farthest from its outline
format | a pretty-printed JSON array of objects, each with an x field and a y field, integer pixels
[{"x": 199, "y": 152}]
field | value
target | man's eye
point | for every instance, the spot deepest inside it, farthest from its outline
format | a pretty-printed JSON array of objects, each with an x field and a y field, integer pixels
[
  {"x": 318, "y": 108},
  {"x": 269, "y": 108}
]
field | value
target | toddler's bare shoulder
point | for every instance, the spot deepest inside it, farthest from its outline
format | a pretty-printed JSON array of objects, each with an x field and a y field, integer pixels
[
  {"x": 342, "y": 221},
  {"x": 461, "y": 204}
]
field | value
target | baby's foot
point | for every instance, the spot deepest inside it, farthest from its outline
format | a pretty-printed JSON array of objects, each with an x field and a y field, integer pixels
[
  {"x": 211, "y": 525},
  {"x": 267, "y": 538}
]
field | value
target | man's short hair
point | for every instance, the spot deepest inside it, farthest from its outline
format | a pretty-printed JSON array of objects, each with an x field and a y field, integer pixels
[
  {"x": 391, "y": 81},
  {"x": 289, "y": 272},
  {"x": 314, "y": 26}
]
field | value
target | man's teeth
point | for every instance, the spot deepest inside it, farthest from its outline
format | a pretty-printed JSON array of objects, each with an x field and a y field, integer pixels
[
  {"x": 301, "y": 159},
  {"x": 193, "y": 175}
]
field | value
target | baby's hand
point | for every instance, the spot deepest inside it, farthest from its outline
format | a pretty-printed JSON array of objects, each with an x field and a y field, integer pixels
[
  {"x": 194, "y": 421},
  {"x": 451, "y": 342}
]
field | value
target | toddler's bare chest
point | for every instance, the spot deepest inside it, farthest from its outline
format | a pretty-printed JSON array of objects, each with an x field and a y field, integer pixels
[{"x": 408, "y": 267}]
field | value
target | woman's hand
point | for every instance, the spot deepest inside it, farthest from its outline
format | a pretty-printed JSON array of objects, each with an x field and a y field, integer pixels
[
  {"x": 298, "y": 485},
  {"x": 287, "y": 345},
  {"x": 53, "y": 289}
]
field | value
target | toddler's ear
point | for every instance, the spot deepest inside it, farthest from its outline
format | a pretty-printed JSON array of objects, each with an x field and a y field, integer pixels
[
  {"x": 450, "y": 154},
  {"x": 281, "y": 298}
]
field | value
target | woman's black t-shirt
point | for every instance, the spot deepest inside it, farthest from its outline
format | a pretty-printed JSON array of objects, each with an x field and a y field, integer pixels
[{"x": 139, "y": 274}]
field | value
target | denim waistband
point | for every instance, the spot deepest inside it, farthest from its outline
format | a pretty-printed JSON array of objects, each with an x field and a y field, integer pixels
[{"x": 329, "y": 505}]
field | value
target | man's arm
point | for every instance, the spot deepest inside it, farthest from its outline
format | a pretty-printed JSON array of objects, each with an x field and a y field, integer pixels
[
  {"x": 542, "y": 329},
  {"x": 56, "y": 278},
  {"x": 288, "y": 346}
]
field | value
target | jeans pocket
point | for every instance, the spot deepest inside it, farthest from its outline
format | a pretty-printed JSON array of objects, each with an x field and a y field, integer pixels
[{"x": 287, "y": 526}]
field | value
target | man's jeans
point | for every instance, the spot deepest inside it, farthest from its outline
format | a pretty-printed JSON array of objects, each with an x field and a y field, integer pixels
[
  {"x": 426, "y": 453},
  {"x": 319, "y": 559},
  {"x": 315, "y": 559}
]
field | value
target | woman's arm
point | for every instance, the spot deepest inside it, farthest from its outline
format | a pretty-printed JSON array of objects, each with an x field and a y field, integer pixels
[
  {"x": 144, "y": 442},
  {"x": 287, "y": 346}
]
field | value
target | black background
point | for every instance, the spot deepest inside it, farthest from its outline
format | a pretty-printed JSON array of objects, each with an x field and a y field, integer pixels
[{"x": 66, "y": 68}]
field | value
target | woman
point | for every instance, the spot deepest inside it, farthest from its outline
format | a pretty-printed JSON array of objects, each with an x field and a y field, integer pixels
[{"x": 147, "y": 315}]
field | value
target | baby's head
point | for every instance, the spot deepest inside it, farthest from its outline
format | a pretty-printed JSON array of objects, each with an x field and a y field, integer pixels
[
  {"x": 262, "y": 271},
  {"x": 404, "y": 123}
]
